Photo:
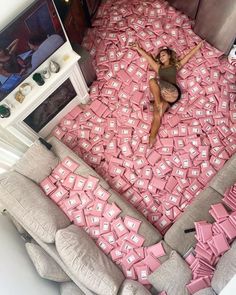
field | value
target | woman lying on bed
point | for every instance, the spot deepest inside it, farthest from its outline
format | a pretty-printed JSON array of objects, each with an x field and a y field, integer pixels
[{"x": 164, "y": 89}]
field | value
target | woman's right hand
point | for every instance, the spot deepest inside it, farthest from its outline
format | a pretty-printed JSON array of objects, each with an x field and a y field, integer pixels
[{"x": 135, "y": 45}]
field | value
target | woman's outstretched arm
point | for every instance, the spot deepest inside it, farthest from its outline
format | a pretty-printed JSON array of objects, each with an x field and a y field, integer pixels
[
  {"x": 153, "y": 64},
  {"x": 193, "y": 51}
]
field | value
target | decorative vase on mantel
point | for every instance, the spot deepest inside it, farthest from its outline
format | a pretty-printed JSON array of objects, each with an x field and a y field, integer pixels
[
  {"x": 4, "y": 111},
  {"x": 54, "y": 67}
]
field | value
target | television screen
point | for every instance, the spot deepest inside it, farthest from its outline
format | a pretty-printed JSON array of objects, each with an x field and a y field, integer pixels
[{"x": 27, "y": 42}]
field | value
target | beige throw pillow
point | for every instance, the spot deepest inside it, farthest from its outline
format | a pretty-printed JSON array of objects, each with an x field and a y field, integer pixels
[
  {"x": 87, "y": 262},
  {"x": 37, "y": 163},
  {"x": 172, "y": 276}
]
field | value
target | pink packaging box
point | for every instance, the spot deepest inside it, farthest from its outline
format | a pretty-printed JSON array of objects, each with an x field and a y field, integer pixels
[
  {"x": 152, "y": 262},
  {"x": 98, "y": 207},
  {"x": 60, "y": 172},
  {"x": 141, "y": 183},
  {"x": 91, "y": 183},
  {"x": 153, "y": 157},
  {"x": 129, "y": 273},
  {"x": 135, "y": 239},
  {"x": 59, "y": 194},
  {"x": 157, "y": 250},
  {"x": 130, "y": 259},
  {"x": 142, "y": 273},
  {"x": 126, "y": 247},
  {"x": 111, "y": 211},
  {"x": 78, "y": 218},
  {"x": 47, "y": 186},
  {"x": 196, "y": 285},
  {"x": 94, "y": 232},
  {"x": 119, "y": 227},
  {"x": 72, "y": 202},
  {"x": 228, "y": 228},
  {"x": 70, "y": 164},
  {"x": 220, "y": 211},
  {"x": 104, "y": 245},
  {"x": 79, "y": 182},
  {"x": 85, "y": 200},
  {"x": 93, "y": 220},
  {"x": 116, "y": 254},
  {"x": 101, "y": 193},
  {"x": 179, "y": 172},
  {"x": 132, "y": 224},
  {"x": 69, "y": 181},
  {"x": 220, "y": 243}
]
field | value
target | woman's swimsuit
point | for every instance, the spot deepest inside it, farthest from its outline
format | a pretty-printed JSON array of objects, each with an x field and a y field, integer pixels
[{"x": 168, "y": 75}]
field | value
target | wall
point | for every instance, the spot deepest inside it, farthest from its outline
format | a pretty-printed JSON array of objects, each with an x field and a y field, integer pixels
[{"x": 18, "y": 275}]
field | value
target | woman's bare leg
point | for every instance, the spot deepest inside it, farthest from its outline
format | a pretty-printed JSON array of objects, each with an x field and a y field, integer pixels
[
  {"x": 155, "y": 90},
  {"x": 156, "y": 122}
]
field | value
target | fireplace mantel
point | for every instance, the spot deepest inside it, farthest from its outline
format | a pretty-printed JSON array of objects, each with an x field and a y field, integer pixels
[{"x": 69, "y": 68}]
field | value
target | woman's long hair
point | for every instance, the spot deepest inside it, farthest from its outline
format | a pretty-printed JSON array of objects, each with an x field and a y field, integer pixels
[{"x": 172, "y": 54}]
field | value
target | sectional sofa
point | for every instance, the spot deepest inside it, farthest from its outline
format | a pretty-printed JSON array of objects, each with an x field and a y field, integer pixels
[{"x": 76, "y": 254}]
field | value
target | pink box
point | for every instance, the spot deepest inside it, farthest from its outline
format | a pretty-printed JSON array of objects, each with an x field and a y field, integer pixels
[
  {"x": 157, "y": 250},
  {"x": 220, "y": 243},
  {"x": 104, "y": 245},
  {"x": 135, "y": 239},
  {"x": 93, "y": 220},
  {"x": 78, "y": 218},
  {"x": 111, "y": 211},
  {"x": 71, "y": 202},
  {"x": 196, "y": 285},
  {"x": 151, "y": 262},
  {"x": 153, "y": 157},
  {"x": 60, "y": 172},
  {"x": 141, "y": 183},
  {"x": 116, "y": 254},
  {"x": 69, "y": 181},
  {"x": 98, "y": 207},
  {"x": 220, "y": 211},
  {"x": 126, "y": 247},
  {"x": 59, "y": 194},
  {"x": 94, "y": 232},
  {"x": 119, "y": 227},
  {"x": 143, "y": 273},
  {"x": 130, "y": 259},
  {"x": 47, "y": 186},
  {"x": 132, "y": 224},
  {"x": 105, "y": 226},
  {"x": 70, "y": 164},
  {"x": 101, "y": 193},
  {"x": 91, "y": 183},
  {"x": 179, "y": 172},
  {"x": 79, "y": 182}
]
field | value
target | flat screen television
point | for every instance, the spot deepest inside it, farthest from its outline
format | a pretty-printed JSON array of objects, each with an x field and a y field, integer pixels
[{"x": 27, "y": 42}]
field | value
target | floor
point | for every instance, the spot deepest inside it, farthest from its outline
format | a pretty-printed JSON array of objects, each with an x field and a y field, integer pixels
[{"x": 197, "y": 135}]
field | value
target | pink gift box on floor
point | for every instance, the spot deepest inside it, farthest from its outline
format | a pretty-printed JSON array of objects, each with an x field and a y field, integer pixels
[
  {"x": 151, "y": 262},
  {"x": 220, "y": 243},
  {"x": 135, "y": 239},
  {"x": 116, "y": 254},
  {"x": 196, "y": 285},
  {"x": 71, "y": 202},
  {"x": 69, "y": 181},
  {"x": 142, "y": 273},
  {"x": 119, "y": 227},
  {"x": 104, "y": 245}
]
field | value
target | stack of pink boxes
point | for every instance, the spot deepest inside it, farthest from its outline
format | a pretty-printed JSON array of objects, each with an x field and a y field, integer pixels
[
  {"x": 213, "y": 240},
  {"x": 197, "y": 134},
  {"x": 84, "y": 201}
]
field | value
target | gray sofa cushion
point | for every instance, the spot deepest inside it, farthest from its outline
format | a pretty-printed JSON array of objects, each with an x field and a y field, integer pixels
[
  {"x": 46, "y": 267},
  {"x": 27, "y": 203},
  {"x": 172, "y": 276},
  {"x": 198, "y": 210},
  {"x": 206, "y": 291},
  {"x": 130, "y": 287},
  {"x": 187, "y": 7},
  {"x": 87, "y": 262},
  {"x": 37, "y": 163},
  {"x": 225, "y": 269},
  {"x": 225, "y": 177},
  {"x": 70, "y": 288}
]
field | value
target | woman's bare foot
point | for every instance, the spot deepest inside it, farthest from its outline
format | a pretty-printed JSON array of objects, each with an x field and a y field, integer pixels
[{"x": 152, "y": 141}]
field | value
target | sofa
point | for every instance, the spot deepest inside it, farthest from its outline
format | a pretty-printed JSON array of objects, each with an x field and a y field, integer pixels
[{"x": 86, "y": 269}]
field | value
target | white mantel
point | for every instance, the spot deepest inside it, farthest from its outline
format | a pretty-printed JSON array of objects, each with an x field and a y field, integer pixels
[{"x": 69, "y": 68}]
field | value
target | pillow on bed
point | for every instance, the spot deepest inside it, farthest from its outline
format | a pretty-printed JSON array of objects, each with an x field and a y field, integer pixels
[
  {"x": 37, "y": 163},
  {"x": 46, "y": 267},
  {"x": 172, "y": 276}
]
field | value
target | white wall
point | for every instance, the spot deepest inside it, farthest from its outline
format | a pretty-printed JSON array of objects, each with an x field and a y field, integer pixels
[
  {"x": 10, "y": 9},
  {"x": 18, "y": 275}
]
